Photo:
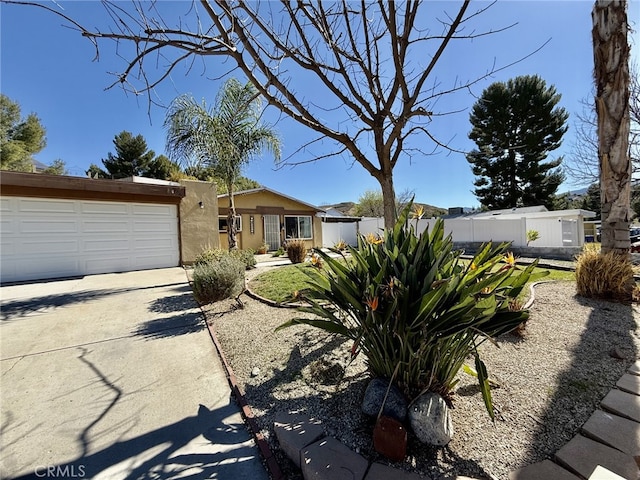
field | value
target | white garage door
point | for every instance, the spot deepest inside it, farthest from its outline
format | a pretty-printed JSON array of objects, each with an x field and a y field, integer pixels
[{"x": 48, "y": 238}]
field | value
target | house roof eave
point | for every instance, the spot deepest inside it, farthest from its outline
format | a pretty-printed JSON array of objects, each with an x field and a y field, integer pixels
[{"x": 265, "y": 189}]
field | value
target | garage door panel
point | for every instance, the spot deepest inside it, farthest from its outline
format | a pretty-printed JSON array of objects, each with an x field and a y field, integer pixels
[
  {"x": 48, "y": 246},
  {"x": 46, "y": 205},
  {"x": 44, "y": 238},
  {"x": 50, "y": 266},
  {"x": 103, "y": 208},
  {"x": 8, "y": 268},
  {"x": 150, "y": 227},
  {"x": 108, "y": 265},
  {"x": 142, "y": 244},
  {"x": 48, "y": 225},
  {"x": 8, "y": 247},
  {"x": 105, "y": 226},
  {"x": 7, "y": 205},
  {"x": 106, "y": 245},
  {"x": 149, "y": 209},
  {"x": 149, "y": 261},
  {"x": 7, "y": 225}
]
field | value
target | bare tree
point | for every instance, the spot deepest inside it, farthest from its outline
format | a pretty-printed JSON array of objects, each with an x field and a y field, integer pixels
[
  {"x": 370, "y": 63},
  {"x": 611, "y": 71},
  {"x": 582, "y": 164}
]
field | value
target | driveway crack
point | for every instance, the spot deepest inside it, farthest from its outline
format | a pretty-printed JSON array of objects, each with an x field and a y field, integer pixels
[{"x": 13, "y": 366}]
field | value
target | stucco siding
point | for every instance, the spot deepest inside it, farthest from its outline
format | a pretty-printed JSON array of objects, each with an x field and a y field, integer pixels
[
  {"x": 198, "y": 219},
  {"x": 252, "y": 207}
]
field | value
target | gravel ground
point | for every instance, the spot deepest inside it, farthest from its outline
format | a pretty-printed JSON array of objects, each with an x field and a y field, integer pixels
[{"x": 550, "y": 381}]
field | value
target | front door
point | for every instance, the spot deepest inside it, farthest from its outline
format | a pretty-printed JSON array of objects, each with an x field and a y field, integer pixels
[{"x": 272, "y": 231}]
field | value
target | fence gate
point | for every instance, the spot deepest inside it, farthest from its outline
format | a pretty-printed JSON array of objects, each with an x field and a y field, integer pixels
[
  {"x": 570, "y": 233},
  {"x": 272, "y": 231}
]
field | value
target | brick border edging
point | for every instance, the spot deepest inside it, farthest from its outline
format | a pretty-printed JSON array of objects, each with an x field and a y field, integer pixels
[
  {"x": 270, "y": 461},
  {"x": 272, "y": 464}
]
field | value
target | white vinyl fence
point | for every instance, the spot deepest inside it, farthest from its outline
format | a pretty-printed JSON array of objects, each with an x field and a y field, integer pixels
[
  {"x": 374, "y": 225},
  {"x": 553, "y": 231},
  {"x": 332, "y": 233}
]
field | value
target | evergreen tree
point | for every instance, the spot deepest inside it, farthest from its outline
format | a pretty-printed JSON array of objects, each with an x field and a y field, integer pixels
[
  {"x": 132, "y": 158},
  {"x": 515, "y": 126},
  {"x": 57, "y": 167},
  {"x": 20, "y": 138},
  {"x": 207, "y": 173},
  {"x": 566, "y": 202},
  {"x": 241, "y": 183},
  {"x": 591, "y": 199},
  {"x": 94, "y": 171},
  {"x": 162, "y": 168}
]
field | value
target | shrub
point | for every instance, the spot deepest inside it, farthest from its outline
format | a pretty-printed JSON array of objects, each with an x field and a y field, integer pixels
[
  {"x": 212, "y": 255},
  {"x": 218, "y": 280},
  {"x": 209, "y": 255},
  {"x": 414, "y": 309},
  {"x": 296, "y": 250},
  {"x": 245, "y": 256},
  {"x": 604, "y": 275},
  {"x": 278, "y": 253}
]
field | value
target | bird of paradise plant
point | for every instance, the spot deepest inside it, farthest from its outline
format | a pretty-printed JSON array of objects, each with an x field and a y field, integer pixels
[{"x": 414, "y": 309}]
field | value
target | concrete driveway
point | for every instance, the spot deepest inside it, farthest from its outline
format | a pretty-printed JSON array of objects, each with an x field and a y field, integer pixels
[{"x": 115, "y": 376}]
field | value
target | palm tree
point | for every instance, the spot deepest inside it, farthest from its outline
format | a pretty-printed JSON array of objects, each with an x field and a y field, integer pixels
[
  {"x": 225, "y": 137},
  {"x": 611, "y": 71}
]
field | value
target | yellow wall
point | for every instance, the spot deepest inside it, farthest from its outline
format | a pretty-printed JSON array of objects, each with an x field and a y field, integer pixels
[
  {"x": 198, "y": 226},
  {"x": 258, "y": 204}
]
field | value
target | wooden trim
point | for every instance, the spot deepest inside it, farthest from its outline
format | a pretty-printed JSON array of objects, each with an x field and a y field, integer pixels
[
  {"x": 18, "y": 184},
  {"x": 269, "y": 210}
]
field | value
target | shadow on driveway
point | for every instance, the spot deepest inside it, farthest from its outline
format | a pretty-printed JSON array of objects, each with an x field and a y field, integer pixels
[
  {"x": 14, "y": 309},
  {"x": 157, "y": 454},
  {"x": 186, "y": 318}
]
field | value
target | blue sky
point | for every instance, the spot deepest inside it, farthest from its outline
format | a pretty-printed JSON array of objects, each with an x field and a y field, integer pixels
[{"x": 50, "y": 70}]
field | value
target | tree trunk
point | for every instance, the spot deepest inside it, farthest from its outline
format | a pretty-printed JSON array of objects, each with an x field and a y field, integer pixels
[
  {"x": 231, "y": 219},
  {"x": 611, "y": 71},
  {"x": 388, "y": 200}
]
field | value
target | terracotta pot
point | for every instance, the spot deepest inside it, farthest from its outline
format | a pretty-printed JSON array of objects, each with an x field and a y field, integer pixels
[{"x": 390, "y": 439}]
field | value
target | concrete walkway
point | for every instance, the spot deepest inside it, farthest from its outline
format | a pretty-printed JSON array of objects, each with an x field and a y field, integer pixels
[{"x": 115, "y": 376}]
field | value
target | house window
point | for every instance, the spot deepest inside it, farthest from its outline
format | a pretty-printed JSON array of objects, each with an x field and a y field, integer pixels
[
  {"x": 222, "y": 224},
  {"x": 298, "y": 227}
]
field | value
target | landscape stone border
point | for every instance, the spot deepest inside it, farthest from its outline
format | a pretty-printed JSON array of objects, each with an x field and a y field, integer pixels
[{"x": 607, "y": 448}]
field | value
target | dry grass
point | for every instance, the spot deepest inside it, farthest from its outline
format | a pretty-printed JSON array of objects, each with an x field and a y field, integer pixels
[
  {"x": 296, "y": 251},
  {"x": 604, "y": 275}
]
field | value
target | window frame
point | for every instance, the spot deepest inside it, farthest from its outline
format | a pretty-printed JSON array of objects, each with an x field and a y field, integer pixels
[
  {"x": 298, "y": 217},
  {"x": 226, "y": 228}
]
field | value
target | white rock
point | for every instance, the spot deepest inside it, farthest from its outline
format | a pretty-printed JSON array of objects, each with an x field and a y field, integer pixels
[
  {"x": 430, "y": 419},
  {"x": 255, "y": 372}
]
